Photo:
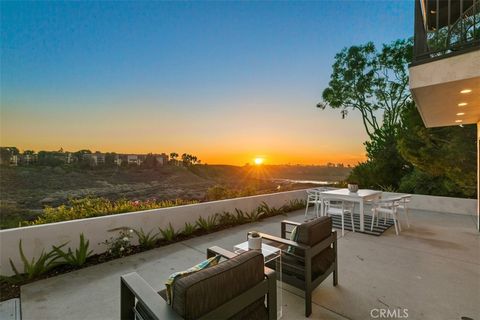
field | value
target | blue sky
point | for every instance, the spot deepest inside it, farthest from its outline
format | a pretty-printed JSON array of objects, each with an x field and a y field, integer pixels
[{"x": 194, "y": 77}]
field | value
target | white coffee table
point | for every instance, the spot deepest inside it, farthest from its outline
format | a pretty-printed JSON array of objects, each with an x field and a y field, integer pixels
[{"x": 270, "y": 253}]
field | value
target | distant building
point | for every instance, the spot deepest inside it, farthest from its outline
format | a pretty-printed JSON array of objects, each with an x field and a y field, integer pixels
[
  {"x": 98, "y": 158},
  {"x": 133, "y": 159},
  {"x": 162, "y": 159},
  {"x": 118, "y": 160},
  {"x": 14, "y": 160},
  {"x": 28, "y": 158},
  {"x": 70, "y": 158}
]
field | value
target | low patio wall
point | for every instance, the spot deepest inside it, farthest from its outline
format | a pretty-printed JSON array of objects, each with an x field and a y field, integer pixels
[
  {"x": 37, "y": 238},
  {"x": 441, "y": 204}
]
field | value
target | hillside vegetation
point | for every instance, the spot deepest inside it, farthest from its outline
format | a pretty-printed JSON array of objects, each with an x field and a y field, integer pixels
[{"x": 25, "y": 191}]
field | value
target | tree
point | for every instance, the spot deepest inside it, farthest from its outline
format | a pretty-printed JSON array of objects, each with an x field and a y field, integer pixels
[
  {"x": 6, "y": 153},
  {"x": 374, "y": 83},
  {"x": 446, "y": 157},
  {"x": 370, "y": 82}
]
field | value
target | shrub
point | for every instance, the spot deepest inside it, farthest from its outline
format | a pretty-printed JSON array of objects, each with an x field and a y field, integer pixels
[
  {"x": 253, "y": 215},
  {"x": 33, "y": 268},
  {"x": 225, "y": 218},
  {"x": 269, "y": 211},
  {"x": 79, "y": 257},
  {"x": 119, "y": 245},
  {"x": 207, "y": 224},
  {"x": 293, "y": 205},
  {"x": 93, "y": 207},
  {"x": 189, "y": 229},
  {"x": 168, "y": 233},
  {"x": 146, "y": 240}
]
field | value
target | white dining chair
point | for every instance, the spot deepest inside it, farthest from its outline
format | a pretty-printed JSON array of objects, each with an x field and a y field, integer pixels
[
  {"x": 404, "y": 204},
  {"x": 387, "y": 206},
  {"x": 313, "y": 197},
  {"x": 336, "y": 207}
]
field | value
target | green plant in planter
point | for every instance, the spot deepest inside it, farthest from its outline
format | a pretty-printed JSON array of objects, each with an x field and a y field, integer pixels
[
  {"x": 225, "y": 218},
  {"x": 189, "y": 229},
  {"x": 293, "y": 205},
  {"x": 254, "y": 215},
  {"x": 254, "y": 234},
  {"x": 208, "y": 223},
  {"x": 240, "y": 216},
  {"x": 118, "y": 246},
  {"x": 269, "y": 211},
  {"x": 33, "y": 268},
  {"x": 168, "y": 233},
  {"x": 146, "y": 240},
  {"x": 77, "y": 258}
]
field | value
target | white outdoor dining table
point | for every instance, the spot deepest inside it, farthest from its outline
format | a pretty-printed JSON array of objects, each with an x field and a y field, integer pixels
[{"x": 360, "y": 197}]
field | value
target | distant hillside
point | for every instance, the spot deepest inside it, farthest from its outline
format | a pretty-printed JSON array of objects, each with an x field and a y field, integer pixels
[{"x": 34, "y": 187}]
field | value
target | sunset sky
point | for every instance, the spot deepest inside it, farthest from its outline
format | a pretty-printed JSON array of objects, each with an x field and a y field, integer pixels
[{"x": 225, "y": 81}]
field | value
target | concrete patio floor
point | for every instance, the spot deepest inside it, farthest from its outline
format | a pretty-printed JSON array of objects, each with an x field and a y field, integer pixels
[{"x": 432, "y": 270}]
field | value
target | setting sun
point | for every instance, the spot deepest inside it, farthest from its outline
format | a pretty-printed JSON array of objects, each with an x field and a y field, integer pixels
[{"x": 258, "y": 161}]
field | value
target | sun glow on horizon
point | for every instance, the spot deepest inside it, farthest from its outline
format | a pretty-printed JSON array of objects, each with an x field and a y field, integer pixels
[{"x": 258, "y": 161}]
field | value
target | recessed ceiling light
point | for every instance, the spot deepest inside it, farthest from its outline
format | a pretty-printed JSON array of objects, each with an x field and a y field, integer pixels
[
  {"x": 466, "y": 91},
  {"x": 433, "y": 11},
  {"x": 462, "y": 104},
  {"x": 460, "y": 113},
  {"x": 458, "y": 121}
]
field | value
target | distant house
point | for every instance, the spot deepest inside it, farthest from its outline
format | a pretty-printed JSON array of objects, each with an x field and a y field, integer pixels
[
  {"x": 98, "y": 158},
  {"x": 70, "y": 158},
  {"x": 14, "y": 160},
  {"x": 28, "y": 158},
  {"x": 134, "y": 159},
  {"x": 162, "y": 159},
  {"x": 118, "y": 160}
]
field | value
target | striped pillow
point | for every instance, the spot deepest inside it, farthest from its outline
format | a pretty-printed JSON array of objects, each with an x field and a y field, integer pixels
[
  {"x": 293, "y": 237},
  {"x": 180, "y": 274}
]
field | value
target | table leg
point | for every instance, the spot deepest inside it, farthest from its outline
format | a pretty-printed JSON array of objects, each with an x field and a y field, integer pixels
[
  {"x": 322, "y": 205},
  {"x": 362, "y": 229}
]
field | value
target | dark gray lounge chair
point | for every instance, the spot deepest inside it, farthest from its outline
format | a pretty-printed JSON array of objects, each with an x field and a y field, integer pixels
[
  {"x": 233, "y": 289},
  {"x": 309, "y": 260}
]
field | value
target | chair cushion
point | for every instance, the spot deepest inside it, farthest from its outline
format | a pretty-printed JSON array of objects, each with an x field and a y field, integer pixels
[
  {"x": 201, "y": 292},
  {"x": 314, "y": 231},
  {"x": 169, "y": 284}
]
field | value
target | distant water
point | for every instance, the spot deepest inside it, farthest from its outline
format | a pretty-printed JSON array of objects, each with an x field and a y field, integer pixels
[{"x": 306, "y": 181}]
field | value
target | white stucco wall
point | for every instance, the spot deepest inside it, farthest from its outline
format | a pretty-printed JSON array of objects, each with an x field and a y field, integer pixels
[{"x": 37, "y": 238}]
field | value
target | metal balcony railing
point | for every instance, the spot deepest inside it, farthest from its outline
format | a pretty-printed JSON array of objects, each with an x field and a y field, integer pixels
[{"x": 445, "y": 27}]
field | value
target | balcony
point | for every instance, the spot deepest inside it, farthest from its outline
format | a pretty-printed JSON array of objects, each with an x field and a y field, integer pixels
[
  {"x": 445, "y": 28},
  {"x": 445, "y": 73},
  {"x": 431, "y": 269}
]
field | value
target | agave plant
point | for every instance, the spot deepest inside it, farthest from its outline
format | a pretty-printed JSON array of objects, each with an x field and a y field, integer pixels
[
  {"x": 189, "y": 229},
  {"x": 225, "y": 218},
  {"x": 293, "y": 205},
  {"x": 253, "y": 215},
  {"x": 33, "y": 268},
  {"x": 207, "y": 224},
  {"x": 269, "y": 211},
  {"x": 168, "y": 233},
  {"x": 146, "y": 240},
  {"x": 77, "y": 258},
  {"x": 240, "y": 216}
]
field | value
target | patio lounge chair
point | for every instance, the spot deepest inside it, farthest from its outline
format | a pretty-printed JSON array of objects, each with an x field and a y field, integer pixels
[
  {"x": 310, "y": 259},
  {"x": 233, "y": 289}
]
